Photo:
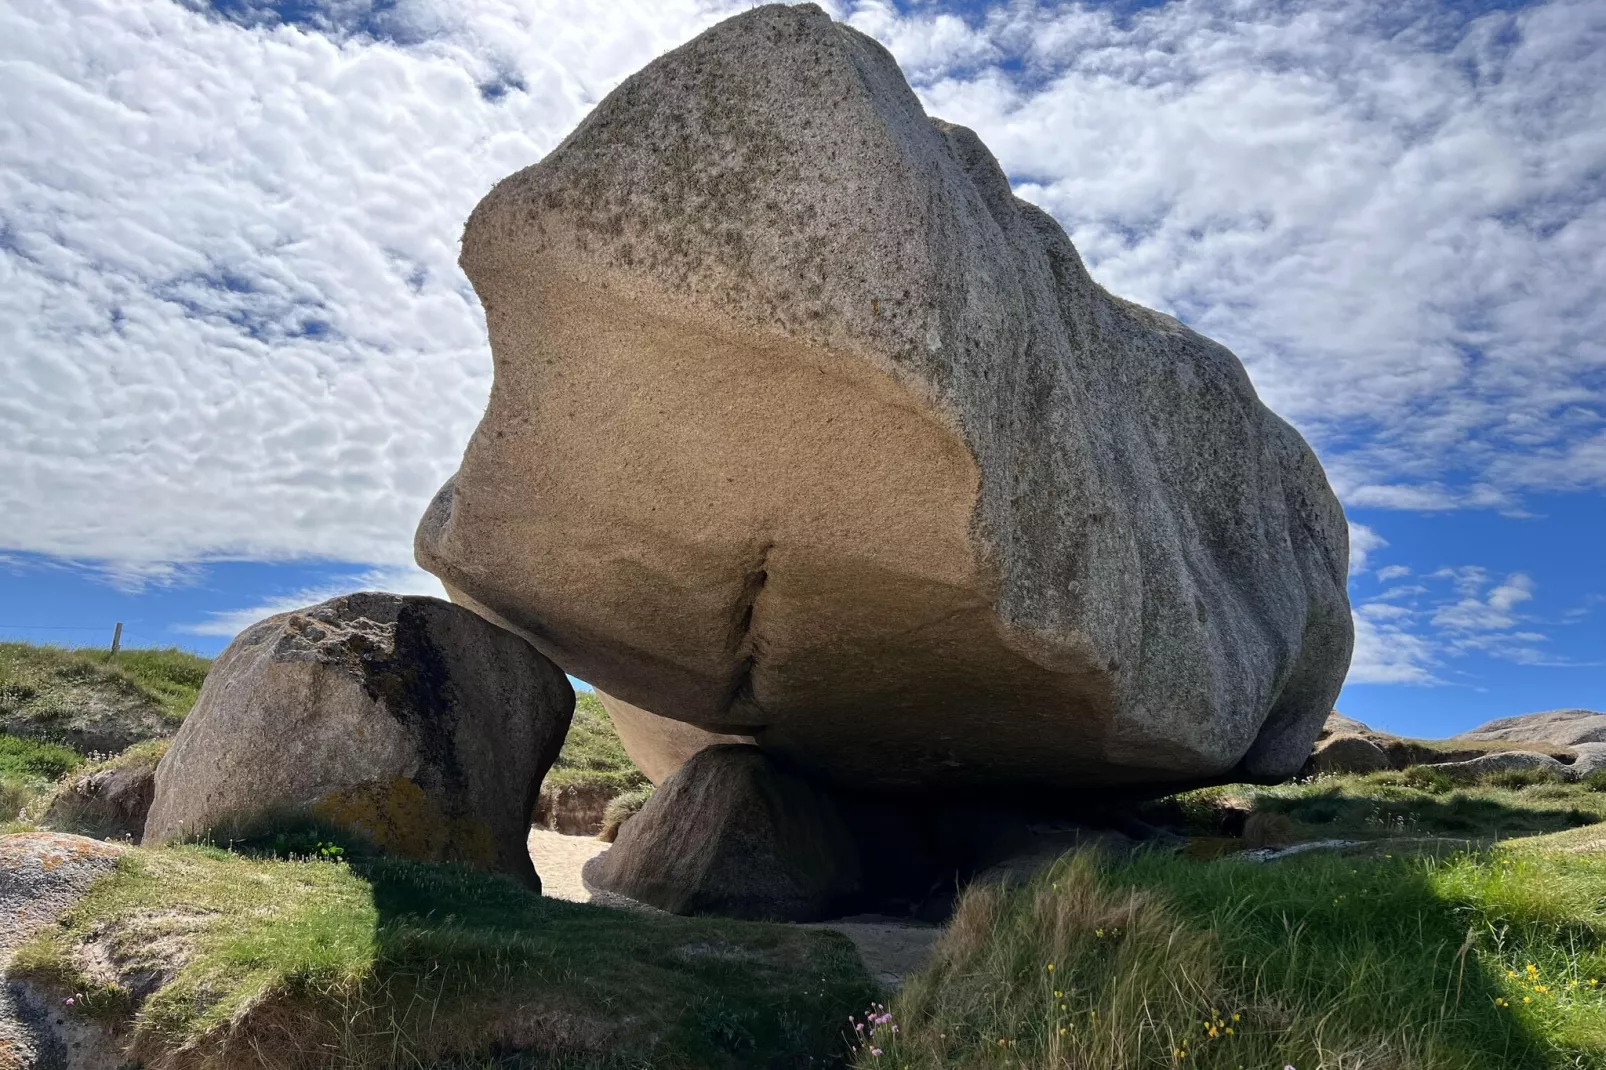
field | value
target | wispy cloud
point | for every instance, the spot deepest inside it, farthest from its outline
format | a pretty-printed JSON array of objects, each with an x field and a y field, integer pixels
[{"x": 396, "y": 580}]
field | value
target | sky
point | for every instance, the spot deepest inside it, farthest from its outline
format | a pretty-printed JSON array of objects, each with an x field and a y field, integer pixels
[{"x": 237, "y": 356}]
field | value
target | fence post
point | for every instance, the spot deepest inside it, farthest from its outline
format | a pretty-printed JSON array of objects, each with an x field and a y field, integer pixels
[{"x": 117, "y": 638}]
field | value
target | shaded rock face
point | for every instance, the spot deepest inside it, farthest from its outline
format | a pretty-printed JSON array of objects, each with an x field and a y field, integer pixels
[
  {"x": 805, "y": 429},
  {"x": 110, "y": 803},
  {"x": 410, "y": 721},
  {"x": 732, "y": 834}
]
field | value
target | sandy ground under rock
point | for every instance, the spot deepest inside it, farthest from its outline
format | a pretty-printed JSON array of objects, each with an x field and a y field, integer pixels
[{"x": 892, "y": 948}]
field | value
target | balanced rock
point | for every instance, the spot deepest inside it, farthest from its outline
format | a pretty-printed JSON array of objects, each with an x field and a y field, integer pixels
[
  {"x": 410, "y": 721},
  {"x": 733, "y": 835},
  {"x": 806, "y": 429}
]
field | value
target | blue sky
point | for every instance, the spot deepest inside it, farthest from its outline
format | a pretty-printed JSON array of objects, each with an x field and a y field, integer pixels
[{"x": 239, "y": 357}]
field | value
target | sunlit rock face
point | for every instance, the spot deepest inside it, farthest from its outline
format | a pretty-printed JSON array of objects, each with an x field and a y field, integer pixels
[{"x": 806, "y": 429}]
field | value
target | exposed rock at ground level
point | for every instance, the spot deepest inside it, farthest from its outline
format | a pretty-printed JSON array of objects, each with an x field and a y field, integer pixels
[
  {"x": 805, "y": 428},
  {"x": 1348, "y": 754},
  {"x": 43, "y": 874},
  {"x": 733, "y": 835},
  {"x": 110, "y": 802},
  {"x": 409, "y": 721},
  {"x": 1559, "y": 727},
  {"x": 1511, "y": 761}
]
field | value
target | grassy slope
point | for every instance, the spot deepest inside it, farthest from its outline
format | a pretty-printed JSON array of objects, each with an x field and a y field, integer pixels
[
  {"x": 1429, "y": 949},
  {"x": 386, "y": 963},
  {"x": 59, "y": 707},
  {"x": 592, "y": 755},
  {"x": 92, "y": 701}
]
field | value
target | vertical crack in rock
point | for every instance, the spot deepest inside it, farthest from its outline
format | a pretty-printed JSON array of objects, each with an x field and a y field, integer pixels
[{"x": 746, "y": 644}]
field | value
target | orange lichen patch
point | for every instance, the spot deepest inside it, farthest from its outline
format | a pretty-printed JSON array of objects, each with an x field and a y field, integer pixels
[
  {"x": 48, "y": 850},
  {"x": 401, "y": 818}
]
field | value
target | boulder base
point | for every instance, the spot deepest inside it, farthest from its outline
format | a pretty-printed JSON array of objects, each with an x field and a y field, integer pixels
[
  {"x": 409, "y": 721},
  {"x": 731, "y": 834}
]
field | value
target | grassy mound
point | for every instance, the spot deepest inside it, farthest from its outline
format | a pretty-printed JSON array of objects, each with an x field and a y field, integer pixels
[
  {"x": 215, "y": 959},
  {"x": 93, "y": 702},
  {"x": 1461, "y": 963}
]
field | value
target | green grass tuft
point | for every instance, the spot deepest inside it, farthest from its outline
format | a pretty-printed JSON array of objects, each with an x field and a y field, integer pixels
[
  {"x": 1463, "y": 963},
  {"x": 390, "y": 963}
]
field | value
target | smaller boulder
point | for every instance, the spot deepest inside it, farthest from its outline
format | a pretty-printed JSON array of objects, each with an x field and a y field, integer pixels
[
  {"x": 1591, "y": 758},
  {"x": 111, "y": 800},
  {"x": 732, "y": 834},
  {"x": 1348, "y": 754},
  {"x": 1508, "y": 761},
  {"x": 418, "y": 726}
]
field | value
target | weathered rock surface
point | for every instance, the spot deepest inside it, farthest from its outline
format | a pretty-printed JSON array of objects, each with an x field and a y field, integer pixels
[
  {"x": 804, "y": 428},
  {"x": 1558, "y": 727},
  {"x": 1348, "y": 754},
  {"x": 731, "y": 834},
  {"x": 41, "y": 875},
  {"x": 408, "y": 720},
  {"x": 1509, "y": 761},
  {"x": 110, "y": 802},
  {"x": 659, "y": 745}
]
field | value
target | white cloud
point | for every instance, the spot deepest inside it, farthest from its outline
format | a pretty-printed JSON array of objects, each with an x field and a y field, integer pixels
[
  {"x": 1362, "y": 542},
  {"x": 231, "y": 322},
  {"x": 1386, "y": 653},
  {"x": 405, "y": 579},
  {"x": 1393, "y": 572}
]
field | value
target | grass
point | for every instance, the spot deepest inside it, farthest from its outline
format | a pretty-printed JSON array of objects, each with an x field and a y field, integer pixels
[
  {"x": 1416, "y": 802},
  {"x": 286, "y": 963},
  {"x": 592, "y": 756},
  {"x": 28, "y": 768},
  {"x": 93, "y": 701},
  {"x": 1466, "y": 962}
]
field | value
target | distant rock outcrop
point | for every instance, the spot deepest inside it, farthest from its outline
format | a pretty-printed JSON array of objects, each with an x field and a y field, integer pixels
[
  {"x": 1563, "y": 728},
  {"x": 806, "y": 429},
  {"x": 731, "y": 834},
  {"x": 410, "y": 721}
]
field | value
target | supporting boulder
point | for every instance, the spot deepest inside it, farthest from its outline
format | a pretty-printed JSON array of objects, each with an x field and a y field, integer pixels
[
  {"x": 732, "y": 834},
  {"x": 412, "y": 723}
]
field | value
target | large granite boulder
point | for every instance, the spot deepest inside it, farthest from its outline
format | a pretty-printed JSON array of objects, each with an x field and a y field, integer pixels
[
  {"x": 806, "y": 429},
  {"x": 731, "y": 834},
  {"x": 410, "y": 721}
]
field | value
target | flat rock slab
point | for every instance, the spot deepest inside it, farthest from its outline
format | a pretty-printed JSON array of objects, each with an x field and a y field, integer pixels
[{"x": 42, "y": 874}]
